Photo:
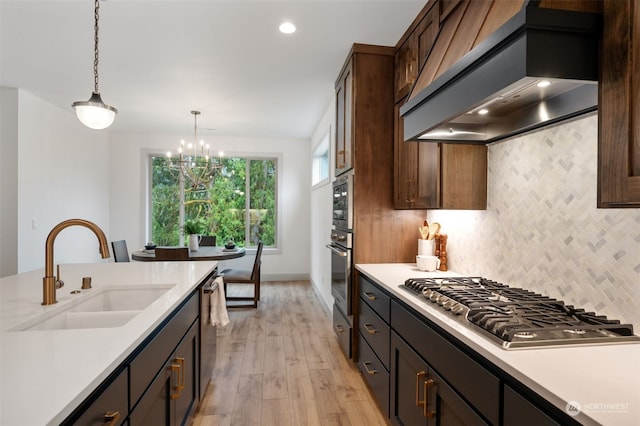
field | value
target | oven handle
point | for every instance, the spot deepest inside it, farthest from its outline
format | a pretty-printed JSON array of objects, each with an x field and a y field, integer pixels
[{"x": 337, "y": 251}]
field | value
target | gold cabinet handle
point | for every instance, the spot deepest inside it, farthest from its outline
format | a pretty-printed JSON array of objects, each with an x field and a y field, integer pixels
[
  {"x": 367, "y": 369},
  {"x": 180, "y": 362},
  {"x": 419, "y": 375},
  {"x": 426, "y": 385},
  {"x": 174, "y": 368},
  {"x": 339, "y": 328},
  {"x": 370, "y": 296},
  {"x": 111, "y": 418},
  {"x": 369, "y": 328}
]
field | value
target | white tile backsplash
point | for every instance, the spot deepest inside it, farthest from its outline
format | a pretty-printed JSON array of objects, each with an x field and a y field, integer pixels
[{"x": 542, "y": 230}]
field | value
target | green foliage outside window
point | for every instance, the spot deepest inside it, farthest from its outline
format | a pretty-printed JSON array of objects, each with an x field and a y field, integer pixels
[{"x": 221, "y": 208}]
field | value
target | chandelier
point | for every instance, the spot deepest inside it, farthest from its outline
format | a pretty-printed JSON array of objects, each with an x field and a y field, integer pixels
[{"x": 194, "y": 164}]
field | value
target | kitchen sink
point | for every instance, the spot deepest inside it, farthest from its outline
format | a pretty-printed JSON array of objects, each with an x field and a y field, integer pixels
[
  {"x": 134, "y": 298},
  {"x": 100, "y": 308},
  {"x": 69, "y": 320}
]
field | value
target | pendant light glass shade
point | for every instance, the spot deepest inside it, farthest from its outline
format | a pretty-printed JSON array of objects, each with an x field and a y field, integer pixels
[{"x": 94, "y": 113}]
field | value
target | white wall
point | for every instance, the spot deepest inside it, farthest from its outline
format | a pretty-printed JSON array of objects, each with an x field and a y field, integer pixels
[
  {"x": 8, "y": 181},
  {"x": 129, "y": 198},
  {"x": 321, "y": 212},
  {"x": 62, "y": 173}
]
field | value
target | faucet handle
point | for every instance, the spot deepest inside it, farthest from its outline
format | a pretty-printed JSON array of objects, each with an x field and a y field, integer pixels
[{"x": 59, "y": 282}]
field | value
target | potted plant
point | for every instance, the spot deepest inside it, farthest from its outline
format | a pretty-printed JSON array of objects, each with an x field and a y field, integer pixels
[{"x": 193, "y": 228}]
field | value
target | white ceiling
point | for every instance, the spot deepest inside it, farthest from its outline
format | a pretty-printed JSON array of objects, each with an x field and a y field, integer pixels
[{"x": 161, "y": 59}]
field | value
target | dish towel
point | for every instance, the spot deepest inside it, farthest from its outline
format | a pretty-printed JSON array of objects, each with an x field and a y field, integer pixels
[{"x": 219, "y": 315}]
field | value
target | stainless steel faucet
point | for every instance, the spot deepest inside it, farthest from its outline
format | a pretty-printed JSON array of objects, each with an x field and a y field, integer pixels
[{"x": 50, "y": 282}]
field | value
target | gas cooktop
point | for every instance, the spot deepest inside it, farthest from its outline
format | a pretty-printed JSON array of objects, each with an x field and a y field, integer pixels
[{"x": 517, "y": 318}]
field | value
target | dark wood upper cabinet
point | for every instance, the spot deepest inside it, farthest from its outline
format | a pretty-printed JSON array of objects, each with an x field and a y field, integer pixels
[
  {"x": 619, "y": 104},
  {"x": 344, "y": 129},
  {"x": 432, "y": 175},
  {"x": 414, "y": 48},
  {"x": 365, "y": 104}
]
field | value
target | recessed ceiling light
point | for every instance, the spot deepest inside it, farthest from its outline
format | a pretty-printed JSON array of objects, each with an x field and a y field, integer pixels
[
  {"x": 544, "y": 83},
  {"x": 483, "y": 111},
  {"x": 287, "y": 28}
]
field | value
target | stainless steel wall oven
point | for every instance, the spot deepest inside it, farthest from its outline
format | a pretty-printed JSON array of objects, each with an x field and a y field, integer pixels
[{"x": 341, "y": 247}]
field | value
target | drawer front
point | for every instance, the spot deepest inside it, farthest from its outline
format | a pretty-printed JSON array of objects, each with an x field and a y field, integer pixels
[
  {"x": 377, "y": 299},
  {"x": 111, "y": 403},
  {"x": 147, "y": 363},
  {"x": 376, "y": 375},
  {"x": 456, "y": 367},
  {"x": 518, "y": 411},
  {"x": 343, "y": 331},
  {"x": 376, "y": 332}
]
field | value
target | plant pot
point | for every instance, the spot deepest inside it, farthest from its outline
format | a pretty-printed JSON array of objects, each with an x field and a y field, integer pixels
[{"x": 194, "y": 242}]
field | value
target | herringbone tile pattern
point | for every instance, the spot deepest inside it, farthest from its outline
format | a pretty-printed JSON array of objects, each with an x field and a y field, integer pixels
[{"x": 542, "y": 229}]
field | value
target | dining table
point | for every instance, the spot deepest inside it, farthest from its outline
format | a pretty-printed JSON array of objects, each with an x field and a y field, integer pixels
[{"x": 203, "y": 253}]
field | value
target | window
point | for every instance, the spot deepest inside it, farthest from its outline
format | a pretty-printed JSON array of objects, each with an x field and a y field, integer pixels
[
  {"x": 239, "y": 204},
  {"x": 320, "y": 162}
]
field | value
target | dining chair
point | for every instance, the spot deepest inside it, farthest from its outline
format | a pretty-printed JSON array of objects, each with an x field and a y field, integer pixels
[
  {"x": 208, "y": 240},
  {"x": 120, "y": 252},
  {"x": 244, "y": 276},
  {"x": 172, "y": 253}
]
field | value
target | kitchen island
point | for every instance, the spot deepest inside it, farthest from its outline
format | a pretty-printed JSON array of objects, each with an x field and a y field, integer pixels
[
  {"x": 46, "y": 373},
  {"x": 594, "y": 384}
]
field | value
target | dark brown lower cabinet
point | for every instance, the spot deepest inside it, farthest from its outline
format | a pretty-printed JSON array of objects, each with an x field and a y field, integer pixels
[
  {"x": 174, "y": 392},
  {"x": 419, "y": 396}
]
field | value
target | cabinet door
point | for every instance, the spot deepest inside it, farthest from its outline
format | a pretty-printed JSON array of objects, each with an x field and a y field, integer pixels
[
  {"x": 344, "y": 115},
  {"x": 408, "y": 375},
  {"x": 186, "y": 355},
  {"x": 406, "y": 66},
  {"x": 155, "y": 405},
  {"x": 416, "y": 171},
  {"x": 174, "y": 391},
  {"x": 411, "y": 56},
  {"x": 618, "y": 120},
  {"x": 464, "y": 176},
  {"x": 110, "y": 407},
  {"x": 420, "y": 396}
]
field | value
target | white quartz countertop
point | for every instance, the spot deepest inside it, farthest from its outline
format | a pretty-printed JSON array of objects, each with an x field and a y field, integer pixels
[
  {"x": 604, "y": 380},
  {"x": 45, "y": 374}
]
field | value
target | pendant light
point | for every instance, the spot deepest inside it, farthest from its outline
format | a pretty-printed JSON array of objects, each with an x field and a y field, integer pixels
[{"x": 94, "y": 113}]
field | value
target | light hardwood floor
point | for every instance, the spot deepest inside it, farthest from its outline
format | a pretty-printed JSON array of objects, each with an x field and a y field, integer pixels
[{"x": 281, "y": 365}]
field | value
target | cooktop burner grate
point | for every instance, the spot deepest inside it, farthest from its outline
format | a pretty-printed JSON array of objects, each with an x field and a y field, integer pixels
[{"x": 518, "y": 317}]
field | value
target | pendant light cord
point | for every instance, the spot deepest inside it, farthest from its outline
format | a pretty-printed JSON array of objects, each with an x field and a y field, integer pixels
[{"x": 95, "y": 47}]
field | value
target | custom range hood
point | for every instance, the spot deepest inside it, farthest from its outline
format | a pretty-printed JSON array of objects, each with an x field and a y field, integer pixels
[{"x": 538, "y": 68}]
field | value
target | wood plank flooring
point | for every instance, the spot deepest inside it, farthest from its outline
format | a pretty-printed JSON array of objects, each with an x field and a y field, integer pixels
[{"x": 281, "y": 365}]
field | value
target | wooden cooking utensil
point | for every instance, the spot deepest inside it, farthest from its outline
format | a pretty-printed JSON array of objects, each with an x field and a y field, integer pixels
[{"x": 434, "y": 228}]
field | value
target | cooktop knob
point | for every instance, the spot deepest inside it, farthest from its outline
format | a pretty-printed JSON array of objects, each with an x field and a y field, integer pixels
[
  {"x": 442, "y": 300},
  {"x": 457, "y": 309}
]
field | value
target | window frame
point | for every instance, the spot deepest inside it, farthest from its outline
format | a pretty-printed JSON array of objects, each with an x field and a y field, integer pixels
[
  {"x": 325, "y": 147},
  {"x": 147, "y": 157}
]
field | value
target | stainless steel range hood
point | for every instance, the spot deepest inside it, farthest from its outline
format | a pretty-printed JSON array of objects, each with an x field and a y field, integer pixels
[{"x": 540, "y": 67}]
